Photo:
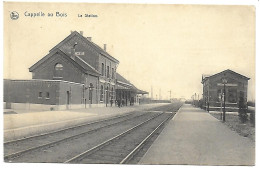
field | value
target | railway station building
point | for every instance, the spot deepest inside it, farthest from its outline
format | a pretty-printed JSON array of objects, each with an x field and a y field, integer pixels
[
  {"x": 76, "y": 73},
  {"x": 236, "y": 86}
]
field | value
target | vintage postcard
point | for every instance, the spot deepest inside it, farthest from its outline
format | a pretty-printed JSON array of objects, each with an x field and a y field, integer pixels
[{"x": 126, "y": 83}]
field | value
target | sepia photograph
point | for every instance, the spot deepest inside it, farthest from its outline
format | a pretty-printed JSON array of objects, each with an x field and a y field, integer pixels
[{"x": 129, "y": 83}]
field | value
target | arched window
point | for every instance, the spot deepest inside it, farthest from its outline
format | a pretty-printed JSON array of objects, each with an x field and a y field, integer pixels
[
  {"x": 58, "y": 70},
  {"x": 101, "y": 92}
]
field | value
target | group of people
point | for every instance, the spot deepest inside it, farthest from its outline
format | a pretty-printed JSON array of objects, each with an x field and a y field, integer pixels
[{"x": 121, "y": 102}]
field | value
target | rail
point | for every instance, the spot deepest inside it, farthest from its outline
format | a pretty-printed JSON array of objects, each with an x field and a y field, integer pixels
[
  {"x": 107, "y": 142},
  {"x": 136, "y": 149},
  {"x": 12, "y": 155}
]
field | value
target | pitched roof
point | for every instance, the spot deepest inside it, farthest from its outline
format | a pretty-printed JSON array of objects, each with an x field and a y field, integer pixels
[
  {"x": 138, "y": 91},
  {"x": 121, "y": 79},
  {"x": 225, "y": 71},
  {"x": 90, "y": 43},
  {"x": 85, "y": 65},
  {"x": 78, "y": 62}
]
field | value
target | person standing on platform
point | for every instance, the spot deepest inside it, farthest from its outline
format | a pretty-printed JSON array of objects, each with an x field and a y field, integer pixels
[
  {"x": 111, "y": 101},
  {"x": 119, "y": 103}
]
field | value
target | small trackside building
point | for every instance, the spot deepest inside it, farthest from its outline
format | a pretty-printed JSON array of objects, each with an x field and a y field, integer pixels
[{"x": 236, "y": 86}]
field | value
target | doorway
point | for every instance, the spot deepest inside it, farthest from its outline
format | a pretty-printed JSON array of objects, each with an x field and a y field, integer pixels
[
  {"x": 107, "y": 96},
  {"x": 68, "y": 100}
]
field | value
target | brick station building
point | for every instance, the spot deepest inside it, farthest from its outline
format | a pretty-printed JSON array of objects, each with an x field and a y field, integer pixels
[
  {"x": 76, "y": 73},
  {"x": 213, "y": 88}
]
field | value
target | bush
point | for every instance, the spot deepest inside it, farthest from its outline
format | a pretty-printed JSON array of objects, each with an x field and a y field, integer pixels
[
  {"x": 187, "y": 102},
  {"x": 243, "y": 115},
  {"x": 252, "y": 118},
  {"x": 201, "y": 103}
]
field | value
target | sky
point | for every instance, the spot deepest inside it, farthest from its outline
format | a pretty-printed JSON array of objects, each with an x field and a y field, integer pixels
[{"x": 165, "y": 47}]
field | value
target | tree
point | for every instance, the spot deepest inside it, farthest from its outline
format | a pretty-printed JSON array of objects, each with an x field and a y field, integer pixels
[{"x": 242, "y": 112}]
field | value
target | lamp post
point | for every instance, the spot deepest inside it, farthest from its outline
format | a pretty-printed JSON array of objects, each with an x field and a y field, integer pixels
[
  {"x": 208, "y": 102},
  {"x": 106, "y": 93},
  {"x": 224, "y": 81},
  {"x": 205, "y": 100}
]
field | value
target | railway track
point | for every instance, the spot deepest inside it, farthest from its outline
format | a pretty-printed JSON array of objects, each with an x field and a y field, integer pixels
[
  {"x": 67, "y": 128},
  {"x": 50, "y": 145},
  {"x": 74, "y": 127},
  {"x": 121, "y": 148},
  {"x": 22, "y": 146}
]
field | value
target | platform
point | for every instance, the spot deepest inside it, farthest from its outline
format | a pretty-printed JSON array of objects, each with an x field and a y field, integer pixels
[
  {"x": 21, "y": 123},
  {"x": 194, "y": 137}
]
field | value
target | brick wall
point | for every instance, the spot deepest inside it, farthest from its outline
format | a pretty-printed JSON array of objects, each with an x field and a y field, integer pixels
[
  {"x": 44, "y": 92},
  {"x": 28, "y": 91},
  {"x": 90, "y": 56},
  {"x": 69, "y": 73},
  {"x": 111, "y": 65},
  {"x": 95, "y": 90},
  {"x": 70, "y": 93}
]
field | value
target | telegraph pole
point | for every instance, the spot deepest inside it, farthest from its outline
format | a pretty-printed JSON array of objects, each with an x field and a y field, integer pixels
[
  {"x": 170, "y": 94},
  {"x": 152, "y": 92},
  {"x": 160, "y": 97},
  {"x": 195, "y": 98},
  {"x": 224, "y": 106}
]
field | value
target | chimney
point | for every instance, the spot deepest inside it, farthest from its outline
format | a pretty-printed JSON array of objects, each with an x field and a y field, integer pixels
[
  {"x": 89, "y": 38},
  {"x": 105, "y": 47},
  {"x": 81, "y": 33},
  {"x": 71, "y": 31},
  {"x": 73, "y": 51}
]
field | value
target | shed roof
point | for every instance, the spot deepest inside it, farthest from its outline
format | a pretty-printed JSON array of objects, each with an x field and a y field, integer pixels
[
  {"x": 205, "y": 77},
  {"x": 121, "y": 80}
]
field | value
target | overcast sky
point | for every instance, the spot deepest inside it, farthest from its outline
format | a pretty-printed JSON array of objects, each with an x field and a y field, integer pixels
[{"x": 168, "y": 47}]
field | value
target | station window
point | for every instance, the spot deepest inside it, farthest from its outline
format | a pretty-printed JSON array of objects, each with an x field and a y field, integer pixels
[
  {"x": 102, "y": 69},
  {"x": 101, "y": 92},
  {"x": 113, "y": 76},
  {"x": 58, "y": 70},
  {"x": 47, "y": 95},
  {"x": 107, "y": 71},
  {"x": 40, "y": 95}
]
